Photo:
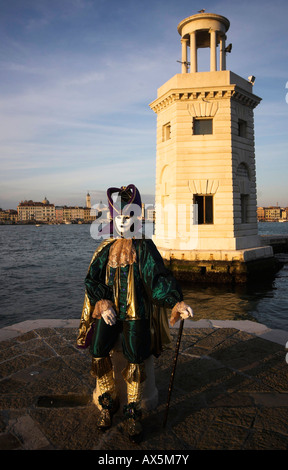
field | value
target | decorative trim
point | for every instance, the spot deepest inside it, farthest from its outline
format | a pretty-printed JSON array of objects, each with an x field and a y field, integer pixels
[
  {"x": 229, "y": 92},
  {"x": 134, "y": 373},
  {"x": 207, "y": 186},
  {"x": 101, "y": 366},
  {"x": 203, "y": 108}
]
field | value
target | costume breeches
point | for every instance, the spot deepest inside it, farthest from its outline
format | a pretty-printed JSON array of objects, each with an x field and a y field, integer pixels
[
  {"x": 136, "y": 341},
  {"x": 136, "y": 348}
]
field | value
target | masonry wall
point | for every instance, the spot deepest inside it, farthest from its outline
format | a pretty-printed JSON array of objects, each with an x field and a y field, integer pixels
[{"x": 189, "y": 164}]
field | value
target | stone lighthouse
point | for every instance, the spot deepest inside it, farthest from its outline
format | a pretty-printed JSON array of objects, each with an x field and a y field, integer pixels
[{"x": 206, "y": 208}]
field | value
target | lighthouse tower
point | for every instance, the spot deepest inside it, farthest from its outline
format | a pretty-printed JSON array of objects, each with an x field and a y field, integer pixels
[{"x": 206, "y": 213}]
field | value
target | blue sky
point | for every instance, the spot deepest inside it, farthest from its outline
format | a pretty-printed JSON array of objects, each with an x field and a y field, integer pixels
[{"x": 77, "y": 77}]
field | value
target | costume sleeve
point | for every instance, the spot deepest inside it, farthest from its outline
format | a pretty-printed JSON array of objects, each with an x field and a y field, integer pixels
[
  {"x": 95, "y": 279},
  {"x": 159, "y": 282}
]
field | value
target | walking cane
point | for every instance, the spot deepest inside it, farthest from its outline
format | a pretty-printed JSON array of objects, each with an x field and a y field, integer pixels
[{"x": 173, "y": 371}]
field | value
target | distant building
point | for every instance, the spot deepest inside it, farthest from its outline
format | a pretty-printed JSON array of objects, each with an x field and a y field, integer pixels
[
  {"x": 150, "y": 215},
  {"x": 88, "y": 201},
  {"x": 8, "y": 216},
  {"x": 75, "y": 214},
  {"x": 59, "y": 214},
  {"x": 90, "y": 214},
  {"x": 101, "y": 212},
  {"x": 272, "y": 214},
  {"x": 30, "y": 211},
  {"x": 284, "y": 214},
  {"x": 261, "y": 214}
]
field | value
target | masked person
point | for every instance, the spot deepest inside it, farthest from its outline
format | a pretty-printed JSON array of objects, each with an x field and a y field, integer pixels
[{"x": 128, "y": 290}]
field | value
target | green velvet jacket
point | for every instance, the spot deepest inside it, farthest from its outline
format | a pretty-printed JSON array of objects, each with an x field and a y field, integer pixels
[{"x": 143, "y": 290}]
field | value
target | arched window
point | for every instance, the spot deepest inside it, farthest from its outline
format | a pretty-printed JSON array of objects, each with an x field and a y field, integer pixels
[{"x": 243, "y": 171}]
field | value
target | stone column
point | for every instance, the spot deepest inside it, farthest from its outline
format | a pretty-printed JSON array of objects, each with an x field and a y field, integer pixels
[
  {"x": 193, "y": 52},
  {"x": 213, "y": 53},
  {"x": 222, "y": 52},
  {"x": 184, "y": 55}
]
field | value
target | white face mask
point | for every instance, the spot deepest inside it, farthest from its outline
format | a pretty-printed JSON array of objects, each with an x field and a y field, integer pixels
[{"x": 123, "y": 224}]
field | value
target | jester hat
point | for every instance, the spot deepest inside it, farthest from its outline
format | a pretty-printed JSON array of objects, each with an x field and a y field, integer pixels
[{"x": 127, "y": 202}]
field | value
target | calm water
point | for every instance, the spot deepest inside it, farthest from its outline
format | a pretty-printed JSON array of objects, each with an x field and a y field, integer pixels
[{"x": 43, "y": 269}]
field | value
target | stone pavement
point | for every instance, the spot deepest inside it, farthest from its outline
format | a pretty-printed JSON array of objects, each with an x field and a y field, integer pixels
[{"x": 230, "y": 391}]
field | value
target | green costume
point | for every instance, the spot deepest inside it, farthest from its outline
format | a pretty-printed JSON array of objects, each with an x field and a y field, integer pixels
[
  {"x": 127, "y": 277},
  {"x": 140, "y": 293}
]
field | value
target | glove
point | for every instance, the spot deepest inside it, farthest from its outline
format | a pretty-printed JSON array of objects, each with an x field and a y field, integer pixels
[
  {"x": 109, "y": 316},
  {"x": 186, "y": 312},
  {"x": 104, "y": 309},
  {"x": 180, "y": 310}
]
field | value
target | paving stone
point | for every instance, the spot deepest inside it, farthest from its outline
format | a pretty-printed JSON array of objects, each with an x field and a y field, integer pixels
[
  {"x": 26, "y": 337},
  {"x": 230, "y": 392},
  {"x": 270, "y": 399},
  {"x": 266, "y": 440},
  {"x": 246, "y": 355},
  {"x": 9, "y": 442},
  {"x": 222, "y": 436},
  {"x": 272, "y": 419},
  {"x": 236, "y": 416},
  {"x": 29, "y": 433}
]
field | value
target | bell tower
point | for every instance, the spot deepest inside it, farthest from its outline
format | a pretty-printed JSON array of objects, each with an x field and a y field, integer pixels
[
  {"x": 88, "y": 200},
  {"x": 206, "y": 208}
]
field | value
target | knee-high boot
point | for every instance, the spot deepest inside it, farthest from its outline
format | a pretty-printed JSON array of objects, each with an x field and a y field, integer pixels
[
  {"x": 102, "y": 369},
  {"x": 134, "y": 376}
]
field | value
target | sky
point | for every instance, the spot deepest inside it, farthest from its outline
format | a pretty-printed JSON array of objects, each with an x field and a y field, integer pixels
[{"x": 77, "y": 77}]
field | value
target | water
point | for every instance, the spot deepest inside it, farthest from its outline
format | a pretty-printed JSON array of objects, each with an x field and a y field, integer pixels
[{"x": 43, "y": 269}]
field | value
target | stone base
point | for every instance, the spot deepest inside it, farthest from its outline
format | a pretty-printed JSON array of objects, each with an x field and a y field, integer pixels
[
  {"x": 150, "y": 392},
  {"x": 219, "y": 266},
  {"x": 279, "y": 243}
]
